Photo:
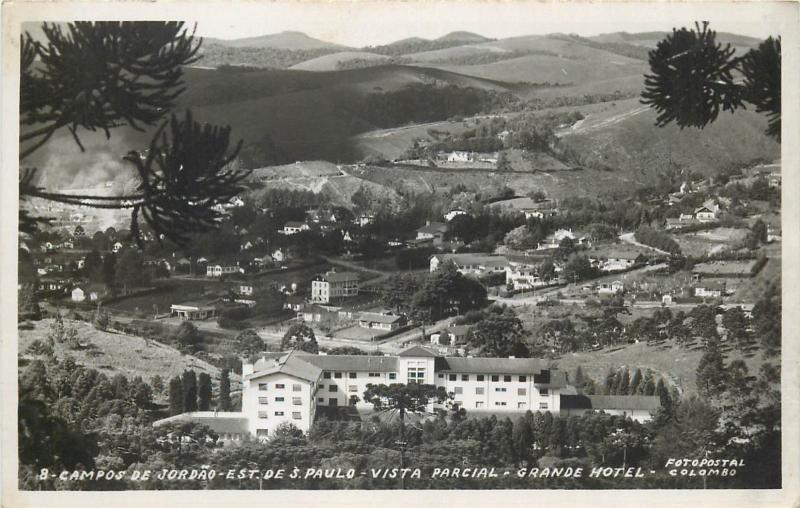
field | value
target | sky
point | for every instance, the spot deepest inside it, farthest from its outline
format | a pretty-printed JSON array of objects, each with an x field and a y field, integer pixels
[{"x": 359, "y": 24}]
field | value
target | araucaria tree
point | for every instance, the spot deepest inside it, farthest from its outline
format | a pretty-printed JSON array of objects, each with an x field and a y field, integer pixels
[
  {"x": 98, "y": 76},
  {"x": 693, "y": 77}
]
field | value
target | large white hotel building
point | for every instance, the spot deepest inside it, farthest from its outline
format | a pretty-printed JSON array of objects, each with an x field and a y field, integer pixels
[{"x": 291, "y": 386}]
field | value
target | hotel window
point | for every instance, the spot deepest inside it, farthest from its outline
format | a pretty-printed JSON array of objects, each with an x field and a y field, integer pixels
[
  {"x": 416, "y": 375},
  {"x": 297, "y": 388},
  {"x": 321, "y": 400},
  {"x": 326, "y": 375},
  {"x": 507, "y": 379},
  {"x": 262, "y": 387},
  {"x": 479, "y": 391},
  {"x": 543, "y": 405},
  {"x": 297, "y": 416},
  {"x": 479, "y": 377},
  {"x": 451, "y": 377},
  {"x": 263, "y": 400},
  {"x": 262, "y": 414},
  {"x": 495, "y": 378},
  {"x": 522, "y": 379},
  {"x": 352, "y": 375},
  {"x": 392, "y": 375},
  {"x": 521, "y": 405},
  {"x": 499, "y": 403},
  {"x": 374, "y": 374},
  {"x": 337, "y": 375},
  {"x": 333, "y": 388},
  {"x": 522, "y": 391},
  {"x": 297, "y": 401},
  {"x": 278, "y": 399},
  {"x": 352, "y": 388},
  {"x": 458, "y": 390},
  {"x": 441, "y": 376},
  {"x": 280, "y": 386},
  {"x": 478, "y": 404},
  {"x": 278, "y": 413},
  {"x": 502, "y": 390},
  {"x": 464, "y": 377},
  {"x": 262, "y": 432},
  {"x": 543, "y": 392}
]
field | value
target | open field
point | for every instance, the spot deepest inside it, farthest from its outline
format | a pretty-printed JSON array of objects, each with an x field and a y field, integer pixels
[
  {"x": 678, "y": 365},
  {"x": 712, "y": 241},
  {"x": 119, "y": 354}
]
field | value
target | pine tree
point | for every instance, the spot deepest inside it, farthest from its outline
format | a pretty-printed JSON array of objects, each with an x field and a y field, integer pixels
[
  {"x": 189, "y": 391},
  {"x": 711, "y": 371},
  {"x": 663, "y": 394},
  {"x": 224, "y": 401},
  {"x": 649, "y": 386},
  {"x": 635, "y": 382},
  {"x": 579, "y": 378},
  {"x": 610, "y": 381},
  {"x": 175, "y": 396},
  {"x": 204, "y": 392},
  {"x": 522, "y": 437},
  {"x": 624, "y": 383}
]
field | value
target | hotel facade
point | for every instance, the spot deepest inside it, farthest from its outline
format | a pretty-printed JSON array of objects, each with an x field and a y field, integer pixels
[{"x": 291, "y": 387}]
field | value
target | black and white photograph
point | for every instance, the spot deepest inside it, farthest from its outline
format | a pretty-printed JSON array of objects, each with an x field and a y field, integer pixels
[{"x": 399, "y": 246}]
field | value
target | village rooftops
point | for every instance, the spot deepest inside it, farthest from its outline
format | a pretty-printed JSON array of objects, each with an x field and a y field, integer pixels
[{"x": 600, "y": 402}]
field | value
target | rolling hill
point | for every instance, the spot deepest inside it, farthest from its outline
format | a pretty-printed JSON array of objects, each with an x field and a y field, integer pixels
[
  {"x": 334, "y": 61},
  {"x": 625, "y": 139},
  {"x": 309, "y": 115},
  {"x": 284, "y": 40},
  {"x": 463, "y": 37}
]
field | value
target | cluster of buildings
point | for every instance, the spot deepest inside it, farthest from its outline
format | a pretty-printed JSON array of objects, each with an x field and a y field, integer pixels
[{"x": 293, "y": 387}]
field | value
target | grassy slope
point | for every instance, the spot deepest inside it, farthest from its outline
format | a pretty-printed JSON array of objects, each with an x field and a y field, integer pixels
[
  {"x": 304, "y": 113},
  {"x": 329, "y": 62},
  {"x": 636, "y": 147},
  {"x": 552, "y": 69},
  {"x": 676, "y": 364},
  {"x": 120, "y": 354}
]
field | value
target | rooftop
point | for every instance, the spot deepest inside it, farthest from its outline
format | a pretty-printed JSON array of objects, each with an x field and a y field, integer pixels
[
  {"x": 291, "y": 364},
  {"x": 339, "y": 276},
  {"x": 375, "y": 317},
  {"x": 433, "y": 227}
]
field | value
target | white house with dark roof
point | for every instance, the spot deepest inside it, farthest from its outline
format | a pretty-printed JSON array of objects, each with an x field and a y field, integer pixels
[
  {"x": 432, "y": 231},
  {"x": 333, "y": 285},
  {"x": 290, "y": 387},
  {"x": 376, "y": 320},
  {"x": 471, "y": 263},
  {"x": 294, "y": 227}
]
